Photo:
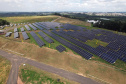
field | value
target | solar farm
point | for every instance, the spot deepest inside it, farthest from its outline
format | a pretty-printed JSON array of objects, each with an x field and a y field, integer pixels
[{"x": 74, "y": 38}]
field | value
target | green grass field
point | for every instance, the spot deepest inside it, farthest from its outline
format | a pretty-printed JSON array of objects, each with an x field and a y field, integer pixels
[
  {"x": 30, "y": 74},
  {"x": 5, "y": 67},
  {"x": 95, "y": 43}
]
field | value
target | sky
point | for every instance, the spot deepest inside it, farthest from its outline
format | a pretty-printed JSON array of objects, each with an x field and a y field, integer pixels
[{"x": 63, "y": 5}]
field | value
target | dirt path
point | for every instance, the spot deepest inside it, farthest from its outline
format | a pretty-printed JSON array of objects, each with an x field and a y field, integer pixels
[
  {"x": 17, "y": 61},
  {"x": 56, "y": 19},
  {"x": 19, "y": 81}
]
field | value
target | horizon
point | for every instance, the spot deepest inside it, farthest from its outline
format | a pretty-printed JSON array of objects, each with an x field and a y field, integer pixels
[{"x": 61, "y": 11}]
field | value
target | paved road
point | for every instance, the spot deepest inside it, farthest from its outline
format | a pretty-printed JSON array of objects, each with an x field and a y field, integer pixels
[{"x": 17, "y": 60}]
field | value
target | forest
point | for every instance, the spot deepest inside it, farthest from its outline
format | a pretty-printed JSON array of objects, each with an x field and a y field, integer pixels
[
  {"x": 3, "y": 22},
  {"x": 116, "y": 23}
]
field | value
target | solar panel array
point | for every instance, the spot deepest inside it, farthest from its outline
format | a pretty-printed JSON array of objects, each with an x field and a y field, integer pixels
[
  {"x": 41, "y": 25},
  {"x": 16, "y": 35},
  {"x": 22, "y": 29},
  {"x": 15, "y": 30},
  {"x": 27, "y": 27},
  {"x": 25, "y": 36},
  {"x": 75, "y": 37},
  {"x": 32, "y": 26},
  {"x": 37, "y": 39},
  {"x": 49, "y": 40},
  {"x": 73, "y": 47},
  {"x": 8, "y": 34},
  {"x": 37, "y": 26},
  {"x": 60, "y": 48}
]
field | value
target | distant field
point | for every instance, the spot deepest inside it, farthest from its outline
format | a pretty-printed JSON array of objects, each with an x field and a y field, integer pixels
[
  {"x": 30, "y": 19},
  {"x": 30, "y": 74},
  {"x": 4, "y": 70},
  {"x": 72, "y": 21}
]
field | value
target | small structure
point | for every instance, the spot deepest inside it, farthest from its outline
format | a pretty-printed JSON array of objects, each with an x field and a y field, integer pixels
[
  {"x": 92, "y": 21},
  {"x": 8, "y": 34},
  {"x": 16, "y": 35},
  {"x": 15, "y": 24},
  {"x": 22, "y": 29},
  {"x": 2, "y": 32},
  {"x": 15, "y": 30}
]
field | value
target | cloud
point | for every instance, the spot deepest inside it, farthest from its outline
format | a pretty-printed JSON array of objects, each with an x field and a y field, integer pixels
[{"x": 63, "y": 5}]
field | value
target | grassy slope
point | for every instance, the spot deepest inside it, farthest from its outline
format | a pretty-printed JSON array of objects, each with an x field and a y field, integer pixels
[
  {"x": 30, "y": 74},
  {"x": 4, "y": 70},
  {"x": 70, "y": 62},
  {"x": 72, "y": 21},
  {"x": 31, "y": 19}
]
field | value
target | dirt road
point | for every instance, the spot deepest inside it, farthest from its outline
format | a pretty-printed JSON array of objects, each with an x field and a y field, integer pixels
[{"x": 16, "y": 61}]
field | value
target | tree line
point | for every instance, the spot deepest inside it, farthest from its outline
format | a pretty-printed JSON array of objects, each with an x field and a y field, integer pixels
[
  {"x": 111, "y": 25},
  {"x": 3, "y": 22},
  {"x": 117, "y": 23}
]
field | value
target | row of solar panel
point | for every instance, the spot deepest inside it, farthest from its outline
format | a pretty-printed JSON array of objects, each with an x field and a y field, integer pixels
[
  {"x": 37, "y": 39},
  {"x": 27, "y": 27},
  {"x": 60, "y": 48},
  {"x": 106, "y": 39},
  {"x": 73, "y": 47},
  {"x": 8, "y": 34},
  {"x": 71, "y": 34},
  {"x": 49, "y": 40},
  {"x": 112, "y": 48},
  {"x": 32, "y": 26},
  {"x": 90, "y": 49},
  {"x": 37, "y": 26}
]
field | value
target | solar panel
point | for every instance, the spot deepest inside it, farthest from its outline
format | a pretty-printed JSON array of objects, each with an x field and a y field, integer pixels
[
  {"x": 25, "y": 35},
  {"x": 42, "y": 34},
  {"x": 22, "y": 29},
  {"x": 15, "y": 30},
  {"x": 73, "y": 47},
  {"x": 32, "y": 26},
  {"x": 49, "y": 40},
  {"x": 60, "y": 48},
  {"x": 75, "y": 40},
  {"x": 8, "y": 34},
  {"x": 37, "y": 39},
  {"x": 27, "y": 27},
  {"x": 37, "y": 26},
  {"x": 16, "y": 35}
]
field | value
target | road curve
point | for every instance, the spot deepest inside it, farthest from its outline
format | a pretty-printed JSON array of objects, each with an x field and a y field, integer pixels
[{"x": 17, "y": 60}]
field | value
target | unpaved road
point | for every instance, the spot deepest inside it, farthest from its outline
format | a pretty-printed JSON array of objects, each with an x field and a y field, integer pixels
[{"x": 16, "y": 61}]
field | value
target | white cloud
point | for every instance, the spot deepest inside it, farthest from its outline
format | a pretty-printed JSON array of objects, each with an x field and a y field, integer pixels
[{"x": 64, "y": 5}]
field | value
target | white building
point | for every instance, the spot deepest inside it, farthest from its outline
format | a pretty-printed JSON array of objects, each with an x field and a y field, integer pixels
[{"x": 92, "y": 21}]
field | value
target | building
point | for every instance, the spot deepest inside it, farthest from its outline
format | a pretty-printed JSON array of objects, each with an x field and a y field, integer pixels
[
  {"x": 92, "y": 21},
  {"x": 2, "y": 32}
]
